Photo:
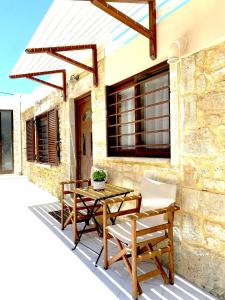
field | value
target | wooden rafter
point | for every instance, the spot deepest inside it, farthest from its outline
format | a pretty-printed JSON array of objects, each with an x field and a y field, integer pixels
[
  {"x": 32, "y": 77},
  {"x": 148, "y": 33},
  {"x": 54, "y": 51}
]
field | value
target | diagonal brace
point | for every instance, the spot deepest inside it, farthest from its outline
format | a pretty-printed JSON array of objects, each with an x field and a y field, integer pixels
[
  {"x": 32, "y": 77},
  {"x": 54, "y": 51},
  {"x": 148, "y": 33}
]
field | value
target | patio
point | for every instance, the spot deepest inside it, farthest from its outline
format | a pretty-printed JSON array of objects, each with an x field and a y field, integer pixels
[{"x": 37, "y": 261}]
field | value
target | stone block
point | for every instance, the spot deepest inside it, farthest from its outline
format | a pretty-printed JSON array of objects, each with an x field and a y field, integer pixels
[
  {"x": 215, "y": 230},
  {"x": 214, "y": 185},
  {"x": 214, "y": 244},
  {"x": 200, "y": 58},
  {"x": 200, "y": 143},
  {"x": 213, "y": 119},
  {"x": 187, "y": 75},
  {"x": 191, "y": 229},
  {"x": 215, "y": 58},
  {"x": 212, "y": 102},
  {"x": 203, "y": 267},
  {"x": 201, "y": 84},
  {"x": 190, "y": 176},
  {"x": 190, "y": 199},
  {"x": 212, "y": 206},
  {"x": 190, "y": 110}
]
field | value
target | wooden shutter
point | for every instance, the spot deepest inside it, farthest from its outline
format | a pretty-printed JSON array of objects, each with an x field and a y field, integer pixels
[
  {"x": 30, "y": 140},
  {"x": 53, "y": 137}
]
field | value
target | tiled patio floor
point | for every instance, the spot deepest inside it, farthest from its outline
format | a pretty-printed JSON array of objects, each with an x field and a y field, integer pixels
[{"x": 36, "y": 261}]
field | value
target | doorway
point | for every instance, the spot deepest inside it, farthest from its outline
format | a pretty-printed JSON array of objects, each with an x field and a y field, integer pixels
[
  {"x": 6, "y": 142},
  {"x": 83, "y": 121}
]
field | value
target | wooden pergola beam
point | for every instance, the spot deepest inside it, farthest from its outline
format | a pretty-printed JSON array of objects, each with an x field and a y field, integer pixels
[
  {"x": 32, "y": 77},
  {"x": 54, "y": 51},
  {"x": 115, "y": 13}
]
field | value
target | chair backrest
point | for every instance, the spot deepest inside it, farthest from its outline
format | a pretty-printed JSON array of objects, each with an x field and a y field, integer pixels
[{"x": 156, "y": 194}]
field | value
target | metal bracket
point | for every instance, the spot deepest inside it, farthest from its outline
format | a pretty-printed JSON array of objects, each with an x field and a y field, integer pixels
[
  {"x": 115, "y": 13},
  {"x": 32, "y": 77},
  {"x": 54, "y": 51}
]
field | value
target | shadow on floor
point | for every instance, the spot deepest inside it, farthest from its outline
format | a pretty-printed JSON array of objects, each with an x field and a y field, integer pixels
[{"x": 116, "y": 278}]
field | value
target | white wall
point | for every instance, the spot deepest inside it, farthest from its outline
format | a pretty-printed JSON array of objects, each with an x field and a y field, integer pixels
[{"x": 202, "y": 22}]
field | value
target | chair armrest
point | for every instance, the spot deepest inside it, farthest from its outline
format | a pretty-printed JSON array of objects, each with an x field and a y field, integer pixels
[
  {"x": 156, "y": 212},
  {"x": 120, "y": 199}
]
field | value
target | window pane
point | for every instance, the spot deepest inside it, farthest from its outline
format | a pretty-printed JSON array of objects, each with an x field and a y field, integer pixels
[
  {"x": 156, "y": 111},
  {"x": 139, "y": 115},
  {"x": 7, "y": 146},
  {"x": 126, "y": 117}
]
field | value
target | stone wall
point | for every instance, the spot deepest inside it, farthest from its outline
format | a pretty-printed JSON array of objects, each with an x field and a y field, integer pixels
[
  {"x": 197, "y": 162},
  {"x": 202, "y": 98},
  {"x": 46, "y": 176},
  {"x": 198, "y": 105}
]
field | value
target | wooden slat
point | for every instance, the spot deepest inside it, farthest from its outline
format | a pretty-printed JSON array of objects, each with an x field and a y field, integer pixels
[
  {"x": 153, "y": 254},
  {"x": 139, "y": 108},
  {"x": 148, "y": 275},
  {"x": 141, "y": 120},
  {"x": 30, "y": 140},
  {"x": 137, "y": 96},
  {"x": 139, "y": 146},
  {"x": 140, "y": 133},
  {"x": 153, "y": 229},
  {"x": 109, "y": 191},
  {"x": 53, "y": 133},
  {"x": 122, "y": 213}
]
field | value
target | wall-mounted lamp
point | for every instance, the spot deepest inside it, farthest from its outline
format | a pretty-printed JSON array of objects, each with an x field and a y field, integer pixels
[
  {"x": 74, "y": 77},
  {"x": 177, "y": 49}
]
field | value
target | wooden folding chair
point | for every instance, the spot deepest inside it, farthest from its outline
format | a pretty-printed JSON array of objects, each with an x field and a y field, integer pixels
[
  {"x": 75, "y": 212},
  {"x": 139, "y": 238},
  {"x": 144, "y": 232}
]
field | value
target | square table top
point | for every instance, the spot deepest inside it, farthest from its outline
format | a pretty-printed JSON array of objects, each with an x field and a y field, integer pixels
[{"x": 109, "y": 191}]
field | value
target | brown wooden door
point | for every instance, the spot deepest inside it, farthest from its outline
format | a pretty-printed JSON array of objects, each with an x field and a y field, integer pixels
[{"x": 84, "y": 137}]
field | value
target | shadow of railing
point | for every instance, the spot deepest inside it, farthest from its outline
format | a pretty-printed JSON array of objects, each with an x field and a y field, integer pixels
[{"x": 116, "y": 277}]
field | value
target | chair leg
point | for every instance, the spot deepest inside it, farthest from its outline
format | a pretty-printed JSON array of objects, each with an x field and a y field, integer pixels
[
  {"x": 62, "y": 215},
  {"x": 105, "y": 238},
  {"x": 170, "y": 243},
  {"x": 134, "y": 261},
  {"x": 75, "y": 218},
  {"x": 171, "y": 266}
]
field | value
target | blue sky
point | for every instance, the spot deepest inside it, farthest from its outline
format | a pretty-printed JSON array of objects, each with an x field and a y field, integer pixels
[{"x": 18, "y": 21}]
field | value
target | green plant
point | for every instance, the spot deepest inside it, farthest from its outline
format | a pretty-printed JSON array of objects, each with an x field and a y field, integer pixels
[{"x": 99, "y": 175}]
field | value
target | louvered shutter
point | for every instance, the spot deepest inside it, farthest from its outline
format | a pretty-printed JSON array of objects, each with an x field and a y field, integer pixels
[
  {"x": 53, "y": 137},
  {"x": 30, "y": 140}
]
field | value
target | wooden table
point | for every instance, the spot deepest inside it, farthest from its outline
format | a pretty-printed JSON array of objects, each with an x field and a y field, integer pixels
[{"x": 110, "y": 191}]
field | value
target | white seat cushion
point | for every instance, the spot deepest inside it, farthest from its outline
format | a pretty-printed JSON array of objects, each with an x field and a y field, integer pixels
[{"x": 123, "y": 231}]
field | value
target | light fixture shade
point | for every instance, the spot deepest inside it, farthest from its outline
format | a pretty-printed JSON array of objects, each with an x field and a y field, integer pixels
[
  {"x": 176, "y": 49},
  {"x": 174, "y": 53}
]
